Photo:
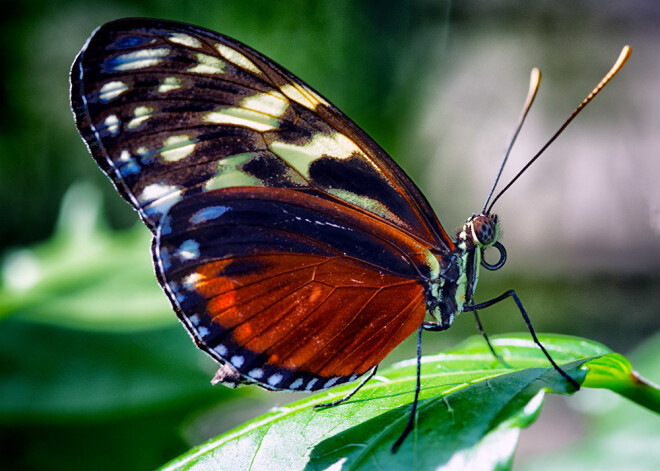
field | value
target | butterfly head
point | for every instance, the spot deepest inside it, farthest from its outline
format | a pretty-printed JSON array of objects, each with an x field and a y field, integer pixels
[
  {"x": 480, "y": 232},
  {"x": 485, "y": 230}
]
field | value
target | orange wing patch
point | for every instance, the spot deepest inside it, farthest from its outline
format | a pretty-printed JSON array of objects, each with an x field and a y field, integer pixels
[{"x": 297, "y": 310}]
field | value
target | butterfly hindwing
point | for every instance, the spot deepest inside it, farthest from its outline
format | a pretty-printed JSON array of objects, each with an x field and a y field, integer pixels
[
  {"x": 288, "y": 288},
  {"x": 169, "y": 110}
]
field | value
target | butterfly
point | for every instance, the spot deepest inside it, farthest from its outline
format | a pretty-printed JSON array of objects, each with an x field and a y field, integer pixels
[{"x": 293, "y": 249}]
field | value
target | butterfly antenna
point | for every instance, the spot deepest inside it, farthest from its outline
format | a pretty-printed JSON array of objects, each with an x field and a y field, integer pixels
[
  {"x": 623, "y": 57},
  {"x": 534, "y": 82}
]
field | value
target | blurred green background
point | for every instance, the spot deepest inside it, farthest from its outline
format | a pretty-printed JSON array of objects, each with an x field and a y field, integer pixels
[{"x": 94, "y": 370}]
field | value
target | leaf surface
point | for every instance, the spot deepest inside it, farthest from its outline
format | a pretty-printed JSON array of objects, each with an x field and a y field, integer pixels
[{"x": 471, "y": 410}]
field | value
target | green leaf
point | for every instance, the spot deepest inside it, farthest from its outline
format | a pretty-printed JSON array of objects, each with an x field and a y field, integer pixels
[
  {"x": 613, "y": 371},
  {"x": 617, "y": 433},
  {"x": 67, "y": 396},
  {"x": 74, "y": 279},
  {"x": 471, "y": 410},
  {"x": 57, "y": 375}
]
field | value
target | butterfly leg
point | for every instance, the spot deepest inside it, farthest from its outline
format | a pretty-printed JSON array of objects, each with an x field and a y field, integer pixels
[
  {"x": 413, "y": 413},
  {"x": 350, "y": 394},
  {"x": 483, "y": 333},
  {"x": 512, "y": 294}
]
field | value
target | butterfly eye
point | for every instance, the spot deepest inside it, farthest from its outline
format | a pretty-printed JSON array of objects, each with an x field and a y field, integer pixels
[{"x": 485, "y": 230}]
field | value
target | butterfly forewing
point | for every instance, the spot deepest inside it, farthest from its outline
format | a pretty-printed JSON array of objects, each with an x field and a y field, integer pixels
[
  {"x": 289, "y": 288},
  {"x": 170, "y": 110}
]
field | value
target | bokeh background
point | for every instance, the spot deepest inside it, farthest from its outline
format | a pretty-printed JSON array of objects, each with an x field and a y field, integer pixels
[{"x": 96, "y": 373}]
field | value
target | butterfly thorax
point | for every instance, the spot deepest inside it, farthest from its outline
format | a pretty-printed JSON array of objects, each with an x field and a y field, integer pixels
[{"x": 448, "y": 295}]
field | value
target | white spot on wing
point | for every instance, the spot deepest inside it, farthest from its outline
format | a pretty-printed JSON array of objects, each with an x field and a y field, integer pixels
[
  {"x": 242, "y": 117},
  {"x": 176, "y": 148},
  {"x": 207, "y": 65},
  {"x": 237, "y": 361},
  {"x": 155, "y": 191},
  {"x": 295, "y": 94},
  {"x": 256, "y": 373},
  {"x": 208, "y": 213},
  {"x": 184, "y": 40},
  {"x": 112, "y": 90},
  {"x": 140, "y": 115},
  {"x": 138, "y": 59},
  {"x": 191, "y": 280},
  {"x": 331, "y": 382},
  {"x": 164, "y": 204},
  {"x": 203, "y": 331},
  {"x": 159, "y": 198},
  {"x": 303, "y": 95},
  {"x": 310, "y": 385},
  {"x": 188, "y": 250},
  {"x": 111, "y": 123},
  {"x": 221, "y": 349},
  {"x": 275, "y": 379},
  {"x": 296, "y": 384},
  {"x": 237, "y": 58},
  {"x": 170, "y": 83},
  {"x": 273, "y": 104}
]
